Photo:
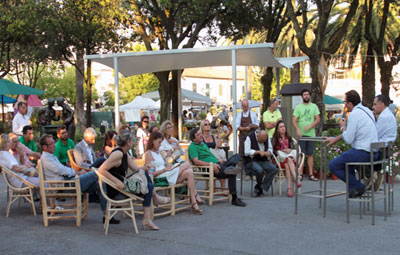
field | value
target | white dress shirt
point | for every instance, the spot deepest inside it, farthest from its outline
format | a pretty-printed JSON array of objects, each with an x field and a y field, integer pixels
[
  {"x": 361, "y": 128},
  {"x": 8, "y": 160},
  {"x": 248, "y": 151},
  {"x": 253, "y": 115},
  {"x": 387, "y": 126},
  {"x": 19, "y": 122},
  {"x": 53, "y": 170}
]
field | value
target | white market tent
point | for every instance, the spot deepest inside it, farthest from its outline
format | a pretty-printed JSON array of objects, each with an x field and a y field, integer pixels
[
  {"x": 132, "y": 109},
  {"x": 133, "y": 63},
  {"x": 187, "y": 96}
]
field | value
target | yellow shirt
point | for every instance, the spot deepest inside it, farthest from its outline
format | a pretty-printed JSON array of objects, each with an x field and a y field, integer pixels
[{"x": 269, "y": 116}]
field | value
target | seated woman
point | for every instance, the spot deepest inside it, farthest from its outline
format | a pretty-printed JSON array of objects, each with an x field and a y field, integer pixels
[
  {"x": 9, "y": 161},
  {"x": 283, "y": 147},
  {"x": 211, "y": 141},
  {"x": 109, "y": 142},
  {"x": 116, "y": 166},
  {"x": 174, "y": 175},
  {"x": 170, "y": 147}
]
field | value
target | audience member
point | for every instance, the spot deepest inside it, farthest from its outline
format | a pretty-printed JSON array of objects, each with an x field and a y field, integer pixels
[
  {"x": 84, "y": 153},
  {"x": 143, "y": 136},
  {"x": 170, "y": 148},
  {"x": 305, "y": 118},
  {"x": 53, "y": 170},
  {"x": 109, "y": 143},
  {"x": 174, "y": 175},
  {"x": 271, "y": 116},
  {"x": 386, "y": 122},
  {"x": 63, "y": 145},
  {"x": 21, "y": 152},
  {"x": 8, "y": 160},
  {"x": 223, "y": 115},
  {"x": 246, "y": 121},
  {"x": 201, "y": 155},
  {"x": 286, "y": 154},
  {"x": 257, "y": 151},
  {"x": 27, "y": 138},
  {"x": 153, "y": 129},
  {"x": 115, "y": 168}
]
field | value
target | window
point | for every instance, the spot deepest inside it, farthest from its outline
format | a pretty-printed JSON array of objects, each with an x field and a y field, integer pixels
[
  {"x": 207, "y": 90},
  {"x": 194, "y": 87},
  {"x": 220, "y": 90}
]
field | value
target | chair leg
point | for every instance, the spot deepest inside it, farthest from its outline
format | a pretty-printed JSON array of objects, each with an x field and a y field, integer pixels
[
  {"x": 11, "y": 197},
  {"x": 32, "y": 202},
  {"x": 133, "y": 217},
  {"x": 347, "y": 194},
  {"x": 211, "y": 192}
]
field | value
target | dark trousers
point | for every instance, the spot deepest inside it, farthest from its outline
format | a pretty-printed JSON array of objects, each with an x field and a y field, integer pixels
[
  {"x": 258, "y": 168},
  {"x": 231, "y": 181}
]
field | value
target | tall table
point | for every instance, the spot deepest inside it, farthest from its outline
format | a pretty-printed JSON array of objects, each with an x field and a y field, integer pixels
[{"x": 323, "y": 192}]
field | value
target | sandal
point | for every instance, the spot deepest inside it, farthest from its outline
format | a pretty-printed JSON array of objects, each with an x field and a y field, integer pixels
[
  {"x": 197, "y": 211},
  {"x": 300, "y": 177},
  {"x": 198, "y": 199},
  {"x": 313, "y": 178}
]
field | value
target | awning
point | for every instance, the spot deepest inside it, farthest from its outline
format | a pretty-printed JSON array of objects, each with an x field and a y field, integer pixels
[{"x": 187, "y": 95}]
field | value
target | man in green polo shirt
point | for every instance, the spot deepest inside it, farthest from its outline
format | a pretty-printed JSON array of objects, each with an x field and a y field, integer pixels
[
  {"x": 63, "y": 145},
  {"x": 271, "y": 117},
  {"x": 201, "y": 155},
  {"x": 27, "y": 138}
]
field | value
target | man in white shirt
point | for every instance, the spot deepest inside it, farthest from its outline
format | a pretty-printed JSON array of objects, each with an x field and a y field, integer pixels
[
  {"x": 21, "y": 119},
  {"x": 53, "y": 170},
  {"x": 246, "y": 121},
  {"x": 360, "y": 131},
  {"x": 386, "y": 122},
  {"x": 257, "y": 150}
]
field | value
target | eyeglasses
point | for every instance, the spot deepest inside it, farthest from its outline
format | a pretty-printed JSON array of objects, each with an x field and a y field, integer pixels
[
  {"x": 146, "y": 121},
  {"x": 170, "y": 127},
  {"x": 206, "y": 124}
]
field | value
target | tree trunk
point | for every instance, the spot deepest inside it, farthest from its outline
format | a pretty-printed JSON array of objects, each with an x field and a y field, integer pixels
[
  {"x": 165, "y": 95},
  {"x": 295, "y": 71},
  {"x": 368, "y": 78},
  {"x": 175, "y": 102},
  {"x": 386, "y": 77},
  {"x": 89, "y": 94},
  {"x": 316, "y": 92},
  {"x": 79, "y": 109},
  {"x": 266, "y": 81}
]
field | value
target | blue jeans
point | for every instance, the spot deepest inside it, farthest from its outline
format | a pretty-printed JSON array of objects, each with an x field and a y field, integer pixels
[
  {"x": 147, "y": 197},
  {"x": 338, "y": 166},
  {"x": 89, "y": 184},
  {"x": 259, "y": 167}
]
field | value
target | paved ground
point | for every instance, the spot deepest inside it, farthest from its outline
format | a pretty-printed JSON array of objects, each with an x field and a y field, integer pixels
[{"x": 266, "y": 226}]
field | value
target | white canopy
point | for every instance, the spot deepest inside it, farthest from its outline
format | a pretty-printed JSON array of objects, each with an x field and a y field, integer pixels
[
  {"x": 132, "y": 109},
  {"x": 133, "y": 63},
  {"x": 252, "y": 104},
  {"x": 187, "y": 95}
]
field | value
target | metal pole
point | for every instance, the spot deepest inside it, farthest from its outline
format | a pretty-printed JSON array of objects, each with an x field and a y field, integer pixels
[
  {"x": 234, "y": 99},
  {"x": 116, "y": 81},
  {"x": 179, "y": 105}
]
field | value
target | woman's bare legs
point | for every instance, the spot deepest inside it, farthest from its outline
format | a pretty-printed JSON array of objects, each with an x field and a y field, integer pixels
[
  {"x": 186, "y": 173},
  {"x": 288, "y": 175},
  {"x": 293, "y": 170}
]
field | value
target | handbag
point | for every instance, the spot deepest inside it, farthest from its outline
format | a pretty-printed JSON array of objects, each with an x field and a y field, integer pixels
[
  {"x": 282, "y": 156},
  {"x": 136, "y": 183},
  {"x": 161, "y": 182}
]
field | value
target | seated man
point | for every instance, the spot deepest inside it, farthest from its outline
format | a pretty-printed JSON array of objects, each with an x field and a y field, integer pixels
[
  {"x": 84, "y": 153},
  {"x": 22, "y": 153},
  {"x": 63, "y": 145},
  {"x": 27, "y": 138},
  {"x": 53, "y": 170},
  {"x": 201, "y": 155},
  {"x": 257, "y": 150}
]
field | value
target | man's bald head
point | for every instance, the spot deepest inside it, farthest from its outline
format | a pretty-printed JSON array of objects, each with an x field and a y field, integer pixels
[
  {"x": 245, "y": 104},
  {"x": 262, "y": 136}
]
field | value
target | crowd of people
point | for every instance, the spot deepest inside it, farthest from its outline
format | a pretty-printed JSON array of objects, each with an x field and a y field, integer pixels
[{"x": 161, "y": 150}]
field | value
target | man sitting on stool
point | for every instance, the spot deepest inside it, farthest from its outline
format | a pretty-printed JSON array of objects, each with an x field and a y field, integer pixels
[{"x": 257, "y": 150}]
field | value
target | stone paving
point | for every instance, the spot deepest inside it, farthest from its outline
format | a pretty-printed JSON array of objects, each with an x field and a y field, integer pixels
[{"x": 267, "y": 225}]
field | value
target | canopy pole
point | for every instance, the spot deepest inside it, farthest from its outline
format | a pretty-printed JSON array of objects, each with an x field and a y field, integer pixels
[
  {"x": 234, "y": 99},
  {"x": 2, "y": 107},
  {"x": 116, "y": 81},
  {"x": 179, "y": 105}
]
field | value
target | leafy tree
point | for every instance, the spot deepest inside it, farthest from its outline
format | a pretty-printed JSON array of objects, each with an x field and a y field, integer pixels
[
  {"x": 384, "y": 36},
  {"x": 171, "y": 24},
  {"x": 328, "y": 31}
]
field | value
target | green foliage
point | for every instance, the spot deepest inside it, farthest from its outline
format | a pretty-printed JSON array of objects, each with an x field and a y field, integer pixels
[{"x": 202, "y": 116}]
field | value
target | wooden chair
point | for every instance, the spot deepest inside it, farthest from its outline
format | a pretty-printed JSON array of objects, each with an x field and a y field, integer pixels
[
  {"x": 114, "y": 206},
  {"x": 206, "y": 174},
  {"x": 280, "y": 176},
  {"x": 73, "y": 163},
  {"x": 70, "y": 190},
  {"x": 174, "y": 205},
  {"x": 18, "y": 193}
]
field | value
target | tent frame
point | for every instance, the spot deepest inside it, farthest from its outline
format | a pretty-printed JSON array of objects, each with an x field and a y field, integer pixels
[{"x": 177, "y": 65}]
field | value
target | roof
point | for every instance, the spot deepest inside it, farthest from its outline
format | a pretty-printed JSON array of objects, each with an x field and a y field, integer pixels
[{"x": 133, "y": 63}]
